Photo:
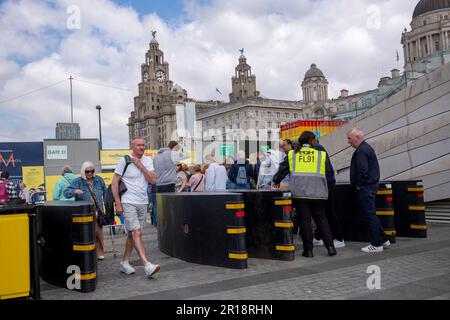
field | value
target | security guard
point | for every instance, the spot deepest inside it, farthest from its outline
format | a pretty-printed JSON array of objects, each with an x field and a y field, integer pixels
[{"x": 308, "y": 184}]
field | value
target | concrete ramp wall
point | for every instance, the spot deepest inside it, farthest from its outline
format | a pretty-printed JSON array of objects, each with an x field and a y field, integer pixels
[{"x": 410, "y": 132}]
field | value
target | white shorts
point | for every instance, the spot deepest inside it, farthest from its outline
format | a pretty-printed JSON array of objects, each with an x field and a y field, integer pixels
[{"x": 134, "y": 215}]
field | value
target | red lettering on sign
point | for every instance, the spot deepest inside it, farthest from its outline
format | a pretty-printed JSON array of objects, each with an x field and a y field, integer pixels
[{"x": 10, "y": 160}]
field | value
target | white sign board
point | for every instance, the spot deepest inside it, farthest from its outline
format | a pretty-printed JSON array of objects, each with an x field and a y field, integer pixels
[
  {"x": 56, "y": 152},
  {"x": 185, "y": 115}
]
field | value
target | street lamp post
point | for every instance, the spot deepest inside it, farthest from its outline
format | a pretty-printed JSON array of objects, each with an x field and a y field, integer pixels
[{"x": 99, "y": 124}]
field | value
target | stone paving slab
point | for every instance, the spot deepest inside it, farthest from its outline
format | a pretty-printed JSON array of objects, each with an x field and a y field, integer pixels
[{"x": 419, "y": 264}]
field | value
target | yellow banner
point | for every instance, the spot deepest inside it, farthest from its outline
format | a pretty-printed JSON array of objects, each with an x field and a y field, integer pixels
[
  {"x": 33, "y": 177},
  {"x": 50, "y": 183},
  {"x": 107, "y": 177}
]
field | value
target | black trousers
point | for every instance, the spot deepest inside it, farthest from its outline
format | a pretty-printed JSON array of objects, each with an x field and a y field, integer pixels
[
  {"x": 316, "y": 209},
  {"x": 366, "y": 198},
  {"x": 165, "y": 188},
  {"x": 332, "y": 218}
]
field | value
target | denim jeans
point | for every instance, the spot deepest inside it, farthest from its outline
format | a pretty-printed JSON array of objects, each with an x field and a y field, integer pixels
[{"x": 367, "y": 208}]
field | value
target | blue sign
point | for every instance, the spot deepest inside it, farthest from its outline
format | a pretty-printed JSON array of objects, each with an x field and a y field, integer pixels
[{"x": 15, "y": 155}]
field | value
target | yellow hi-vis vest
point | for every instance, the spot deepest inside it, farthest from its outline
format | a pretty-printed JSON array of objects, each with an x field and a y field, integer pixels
[{"x": 308, "y": 180}]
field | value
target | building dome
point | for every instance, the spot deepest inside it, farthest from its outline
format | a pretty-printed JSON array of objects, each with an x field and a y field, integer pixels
[
  {"x": 425, "y": 6},
  {"x": 314, "y": 72}
]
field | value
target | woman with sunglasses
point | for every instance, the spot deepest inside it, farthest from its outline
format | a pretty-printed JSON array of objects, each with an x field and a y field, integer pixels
[{"x": 89, "y": 187}]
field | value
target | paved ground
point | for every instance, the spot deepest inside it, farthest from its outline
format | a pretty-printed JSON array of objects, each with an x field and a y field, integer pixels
[{"x": 410, "y": 269}]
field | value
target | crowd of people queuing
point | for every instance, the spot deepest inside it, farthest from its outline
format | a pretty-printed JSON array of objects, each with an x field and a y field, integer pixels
[{"x": 303, "y": 168}]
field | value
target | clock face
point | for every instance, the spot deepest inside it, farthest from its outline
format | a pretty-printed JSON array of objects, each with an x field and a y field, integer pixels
[
  {"x": 145, "y": 76},
  {"x": 160, "y": 76}
]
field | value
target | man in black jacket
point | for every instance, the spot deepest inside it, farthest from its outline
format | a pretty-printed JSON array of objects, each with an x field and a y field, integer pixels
[{"x": 364, "y": 177}]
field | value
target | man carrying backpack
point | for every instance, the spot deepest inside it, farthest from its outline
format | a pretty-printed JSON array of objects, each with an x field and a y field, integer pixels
[
  {"x": 240, "y": 172},
  {"x": 7, "y": 188}
]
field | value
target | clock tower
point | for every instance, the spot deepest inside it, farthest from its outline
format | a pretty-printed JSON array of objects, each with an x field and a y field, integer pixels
[
  {"x": 243, "y": 83},
  {"x": 154, "y": 116}
]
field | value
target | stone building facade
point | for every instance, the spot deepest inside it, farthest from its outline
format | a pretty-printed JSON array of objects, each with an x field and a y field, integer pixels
[{"x": 429, "y": 37}]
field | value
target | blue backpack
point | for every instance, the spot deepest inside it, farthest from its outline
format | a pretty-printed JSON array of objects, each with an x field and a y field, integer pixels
[{"x": 242, "y": 175}]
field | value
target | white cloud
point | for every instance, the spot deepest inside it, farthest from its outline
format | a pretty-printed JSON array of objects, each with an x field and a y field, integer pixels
[{"x": 281, "y": 40}]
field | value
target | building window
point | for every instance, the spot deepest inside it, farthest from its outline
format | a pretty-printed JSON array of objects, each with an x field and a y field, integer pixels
[
  {"x": 215, "y": 121},
  {"x": 230, "y": 118},
  {"x": 295, "y": 115},
  {"x": 257, "y": 114},
  {"x": 269, "y": 124},
  {"x": 278, "y": 115},
  {"x": 238, "y": 125},
  {"x": 269, "y": 114},
  {"x": 256, "y": 124},
  {"x": 237, "y": 116},
  {"x": 287, "y": 115}
]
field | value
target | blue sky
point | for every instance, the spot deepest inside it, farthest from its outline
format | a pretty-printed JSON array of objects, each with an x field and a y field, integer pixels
[{"x": 169, "y": 10}]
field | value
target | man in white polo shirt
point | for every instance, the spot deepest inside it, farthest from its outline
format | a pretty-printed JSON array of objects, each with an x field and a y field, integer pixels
[{"x": 134, "y": 203}]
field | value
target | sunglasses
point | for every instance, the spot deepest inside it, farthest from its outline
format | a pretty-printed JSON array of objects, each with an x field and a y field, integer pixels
[{"x": 89, "y": 171}]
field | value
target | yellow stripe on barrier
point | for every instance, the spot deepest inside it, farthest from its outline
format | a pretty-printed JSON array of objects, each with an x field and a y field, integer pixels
[
  {"x": 390, "y": 233},
  {"x": 238, "y": 256},
  {"x": 235, "y": 206},
  {"x": 82, "y": 219},
  {"x": 283, "y": 202},
  {"x": 284, "y": 224},
  {"x": 385, "y": 213},
  {"x": 416, "y": 189},
  {"x": 87, "y": 247},
  {"x": 417, "y": 208},
  {"x": 419, "y": 227},
  {"x": 88, "y": 276},
  {"x": 285, "y": 248},
  {"x": 236, "y": 231},
  {"x": 384, "y": 192}
]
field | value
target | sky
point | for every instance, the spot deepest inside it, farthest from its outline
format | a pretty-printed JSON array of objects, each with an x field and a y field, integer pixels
[{"x": 102, "y": 44}]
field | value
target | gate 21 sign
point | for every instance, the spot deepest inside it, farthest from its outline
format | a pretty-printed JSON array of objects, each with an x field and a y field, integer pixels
[{"x": 56, "y": 152}]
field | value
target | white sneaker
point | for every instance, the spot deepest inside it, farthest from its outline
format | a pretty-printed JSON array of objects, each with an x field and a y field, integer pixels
[
  {"x": 126, "y": 268},
  {"x": 317, "y": 242},
  {"x": 151, "y": 269},
  {"x": 371, "y": 248},
  {"x": 339, "y": 244},
  {"x": 387, "y": 244}
]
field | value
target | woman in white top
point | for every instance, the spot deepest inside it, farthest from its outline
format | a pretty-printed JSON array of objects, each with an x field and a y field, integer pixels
[{"x": 216, "y": 177}]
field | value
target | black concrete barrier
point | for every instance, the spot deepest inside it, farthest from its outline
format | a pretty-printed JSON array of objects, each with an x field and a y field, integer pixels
[
  {"x": 385, "y": 210},
  {"x": 409, "y": 206},
  {"x": 269, "y": 224},
  {"x": 203, "y": 228},
  {"x": 67, "y": 234},
  {"x": 354, "y": 228}
]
